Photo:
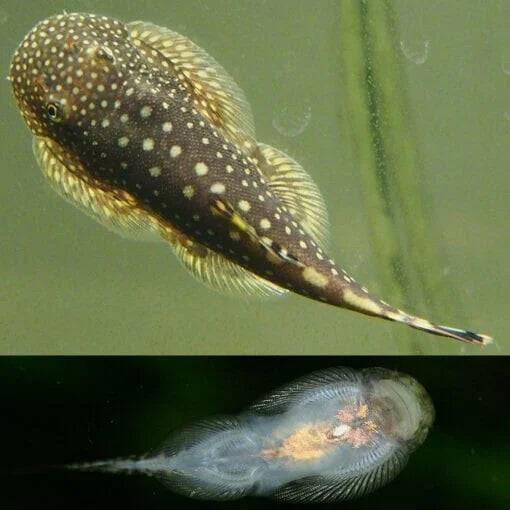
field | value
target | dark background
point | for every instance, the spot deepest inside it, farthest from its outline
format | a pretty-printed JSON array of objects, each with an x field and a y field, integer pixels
[{"x": 59, "y": 410}]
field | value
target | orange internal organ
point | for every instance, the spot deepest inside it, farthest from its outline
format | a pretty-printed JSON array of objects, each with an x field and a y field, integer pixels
[{"x": 309, "y": 442}]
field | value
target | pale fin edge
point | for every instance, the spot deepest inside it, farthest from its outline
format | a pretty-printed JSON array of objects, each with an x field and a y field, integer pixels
[
  {"x": 194, "y": 486},
  {"x": 116, "y": 211},
  {"x": 297, "y": 191},
  {"x": 322, "y": 489},
  {"x": 321, "y": 382},
  {"x": 218, "y": 272},
  {"x": 217, "y": 95}
]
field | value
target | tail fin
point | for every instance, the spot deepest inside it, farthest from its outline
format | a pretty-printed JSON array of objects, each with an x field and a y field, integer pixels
[
  {"x": 358, "y": 299},
  {"x": 126, "y": 465},
  {"x": 459, "y": 334},
  {"x": 152, "y": 466}
]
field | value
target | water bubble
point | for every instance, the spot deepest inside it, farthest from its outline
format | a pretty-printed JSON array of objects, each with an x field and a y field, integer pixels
[
  {"x": 505, "y": 63},
  {"x": 291, "y": 121},
  {"x": 416, "y": 52},
  {"x": 3, "y": 17}
]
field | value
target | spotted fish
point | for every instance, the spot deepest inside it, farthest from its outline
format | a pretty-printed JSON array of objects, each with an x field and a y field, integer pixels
[{"x": 144, "y": 131}]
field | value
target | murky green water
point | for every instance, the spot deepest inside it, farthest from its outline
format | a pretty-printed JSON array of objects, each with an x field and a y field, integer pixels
[{"x": 69, "y": 286}]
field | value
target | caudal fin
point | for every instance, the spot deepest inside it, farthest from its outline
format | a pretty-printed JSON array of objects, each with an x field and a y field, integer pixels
[
  {"x": 124, "y": 465},
  {"x": 152, "y": 466},
  {"x": 357, "y": 298},
  {"x": 460, "y": 334}
]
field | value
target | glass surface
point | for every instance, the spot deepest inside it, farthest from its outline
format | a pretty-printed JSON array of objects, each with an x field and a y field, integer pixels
[{"x": 70, "y": 286}]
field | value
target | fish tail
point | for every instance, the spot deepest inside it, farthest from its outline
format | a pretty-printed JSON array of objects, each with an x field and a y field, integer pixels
[
  {"x": 123, "y": 465},
  {"x": 463, "y": 335},
  {"x": 358, "y": 299},
  {"x": 152, "y": 466}
]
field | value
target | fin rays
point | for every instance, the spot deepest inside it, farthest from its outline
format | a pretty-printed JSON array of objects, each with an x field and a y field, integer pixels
[
  {"x": 216, "y": 94},
  {"x": 320, "y": 489},
  {"x": 297, "y": 191},
  {"x": 116, "y": 211},
  {"x": 219, "y": 273}
]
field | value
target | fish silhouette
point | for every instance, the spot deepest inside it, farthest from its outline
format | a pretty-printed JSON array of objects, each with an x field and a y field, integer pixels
[{"x": 332, "y": 435}]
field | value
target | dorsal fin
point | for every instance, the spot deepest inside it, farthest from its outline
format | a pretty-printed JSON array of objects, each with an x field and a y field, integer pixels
[
  {"x": 116, "y": 210},
  {"x": 215, "y": 93},
  {"x": 297, "y": 191}
]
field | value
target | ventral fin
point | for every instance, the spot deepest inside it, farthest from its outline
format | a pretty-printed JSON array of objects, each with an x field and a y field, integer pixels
[
  {"x": 218, "y": 272},
  {"x": 277, "y": 253},
  {"x": 387, "y": 462},
  {"x": 297, "y": 191},
  {"x": 216, "y": 94},
  {"x": 191, "y": 483},
  {"x": 193, "y": 435},
  {"x": 116, "y": 210}
]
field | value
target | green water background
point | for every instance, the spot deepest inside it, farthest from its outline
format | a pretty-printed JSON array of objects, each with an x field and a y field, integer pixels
[
  {"x": 65, "y": 410},
  {"x": 70, "y": 286}
]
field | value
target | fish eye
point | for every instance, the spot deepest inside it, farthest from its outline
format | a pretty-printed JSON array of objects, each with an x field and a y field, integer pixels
[{"x": 54, "y": 111}]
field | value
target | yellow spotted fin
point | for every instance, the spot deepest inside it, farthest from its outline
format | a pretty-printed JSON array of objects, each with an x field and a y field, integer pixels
[
  {"x": 116, "y": 210},
  {"x": 216, "y": 95},
  {"x": 297, "y": 191},
  {"x": 219, "y": 273}
]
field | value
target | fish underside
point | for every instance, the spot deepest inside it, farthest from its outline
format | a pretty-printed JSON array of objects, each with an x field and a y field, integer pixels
[
  {"x": 144, "y": 131},
  {"x": 331, "y": 435}
]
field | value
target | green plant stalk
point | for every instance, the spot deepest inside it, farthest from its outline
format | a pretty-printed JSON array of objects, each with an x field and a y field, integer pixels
[{"x": 377, "y": 105}]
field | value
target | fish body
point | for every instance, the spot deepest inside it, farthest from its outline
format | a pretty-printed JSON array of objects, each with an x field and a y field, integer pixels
[
  {"x": 144, "y": 131},
  {"x": 335, "y": 434}
]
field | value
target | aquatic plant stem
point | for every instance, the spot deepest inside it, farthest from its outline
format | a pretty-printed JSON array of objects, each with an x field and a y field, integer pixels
[{"x": 409, "y": 265}]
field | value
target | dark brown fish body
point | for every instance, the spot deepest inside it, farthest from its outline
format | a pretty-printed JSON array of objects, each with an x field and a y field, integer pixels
[{"x": 145, "y": 132}]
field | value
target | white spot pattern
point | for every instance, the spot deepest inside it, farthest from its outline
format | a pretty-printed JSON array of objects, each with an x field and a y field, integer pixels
[{"x": 201, "y": 169}]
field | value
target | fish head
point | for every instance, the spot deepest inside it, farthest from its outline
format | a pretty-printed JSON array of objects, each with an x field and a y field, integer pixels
[{"x": 64, "y": 69}]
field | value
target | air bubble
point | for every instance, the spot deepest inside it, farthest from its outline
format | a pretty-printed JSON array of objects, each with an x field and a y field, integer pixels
[
  {"x": 417, "y": 53},
  {"x": 292, "y": 121},
  {"x": 505, "y": 64}
]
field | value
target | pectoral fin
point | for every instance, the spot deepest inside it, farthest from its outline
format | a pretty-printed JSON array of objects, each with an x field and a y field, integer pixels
[
  {"x": 215, "y": 93},
  {"x": 115, "y": 209}
]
